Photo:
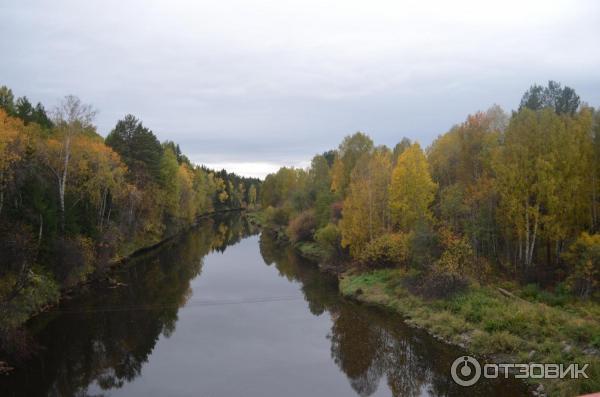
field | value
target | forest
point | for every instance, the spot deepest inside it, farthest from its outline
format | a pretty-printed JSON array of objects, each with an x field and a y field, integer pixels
[
  {"x": 72, "y": 202},
  {"x": 488, "y": 238},
  {"x": 513, "y": 195}
]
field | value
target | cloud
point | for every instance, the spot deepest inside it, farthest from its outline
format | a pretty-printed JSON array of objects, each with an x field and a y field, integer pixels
[{"x": 274, "y": 82}]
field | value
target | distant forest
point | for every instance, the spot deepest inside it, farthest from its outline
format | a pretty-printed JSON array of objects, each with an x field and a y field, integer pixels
[{"x": 72, "y": 201}]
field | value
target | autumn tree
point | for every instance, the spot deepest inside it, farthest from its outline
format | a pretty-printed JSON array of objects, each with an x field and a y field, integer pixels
[
  {"x": 400, "y": 147},
  {"x": 12, "y": 148},
  {"x": 320, "y": 189},
  {"x": 366, "y": 211},
  {"x": 411, "y": 190},
  {"x": 460, "y": 161},
  {"x": 252, "y": 196},
  {"x": 71, "y": 118},
  {"x": 168, "y": 176},
  {"x": 352, "y": 148},
  {"x": 97, "y": 176},
  {"x": 543, "y": 176},
  {"x": 187, "y": 209}
]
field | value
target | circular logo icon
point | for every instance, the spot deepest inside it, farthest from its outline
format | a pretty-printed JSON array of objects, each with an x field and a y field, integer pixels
[{"x": 465, "y": 371}]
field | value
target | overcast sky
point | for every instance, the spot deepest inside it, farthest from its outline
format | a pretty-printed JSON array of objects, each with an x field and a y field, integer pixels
[{"x": 252, "y": 85}]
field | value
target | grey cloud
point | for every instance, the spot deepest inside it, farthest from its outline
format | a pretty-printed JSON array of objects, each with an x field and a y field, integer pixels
[{"x": 276, "y": 82}]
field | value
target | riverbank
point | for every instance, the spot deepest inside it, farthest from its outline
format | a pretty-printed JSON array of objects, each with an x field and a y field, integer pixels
[
  {"x": 497, "y": 322},
  {"x": 28, "y": 305},
  {"x": 491, "y": 322},
  {"x": 143, "y": 249}
]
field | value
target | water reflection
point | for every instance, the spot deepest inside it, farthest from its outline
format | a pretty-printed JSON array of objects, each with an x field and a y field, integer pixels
[
  {"x": 99, "y": 343},
  {"x": 370, "y": 345},
  {"x": 108, "y": 334}
]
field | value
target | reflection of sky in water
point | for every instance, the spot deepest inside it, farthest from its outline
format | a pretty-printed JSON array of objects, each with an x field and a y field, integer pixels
[
  {"x": 229, "y": 324},
  {"x": 247, "y": 349}
]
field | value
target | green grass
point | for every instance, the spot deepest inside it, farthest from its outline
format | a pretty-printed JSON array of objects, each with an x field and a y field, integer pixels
[
  {"x": 256, "y": 217},
  {"x": 538, "y": 328},
  {"x": 351, "y": 284},
  {"x": 310, "y": 250}
]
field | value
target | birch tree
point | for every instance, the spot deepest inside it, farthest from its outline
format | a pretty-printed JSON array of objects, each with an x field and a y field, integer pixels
[
  {"x": 366, "y": 212},
  {"x": 543, "y": 176},
  {"x": 412, "y": 190},
  {"x": 71, "y": 118}
]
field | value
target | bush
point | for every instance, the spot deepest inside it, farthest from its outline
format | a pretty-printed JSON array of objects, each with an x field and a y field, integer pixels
[
  {"x": 449, "y": 274},
  {"x": 278, "y": 217},
  {"x": 389, "y": 250},
  {"x": 424, "y": 245},
  {"x": 311, "y": 251},
  {"x": 329, "y": 239},
  {"x": 458, "y": 257},
  {"x": 583, "y": 257},
  {"x": 302, "y": 227},
  {"x": 439, "y": 283}
]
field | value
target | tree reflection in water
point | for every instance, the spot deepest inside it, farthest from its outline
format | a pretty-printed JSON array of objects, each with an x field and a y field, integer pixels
[
  {"x": 105, "y": 336},
  {"x": 370, "y": 344}
]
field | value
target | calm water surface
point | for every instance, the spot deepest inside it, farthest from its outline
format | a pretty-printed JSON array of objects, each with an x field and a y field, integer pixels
[{"x": 224, "y": 311}]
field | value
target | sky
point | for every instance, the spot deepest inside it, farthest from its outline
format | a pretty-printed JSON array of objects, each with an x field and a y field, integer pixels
[{"x": 255, "y": 85}]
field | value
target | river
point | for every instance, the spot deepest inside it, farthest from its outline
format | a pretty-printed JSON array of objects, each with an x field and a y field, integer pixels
[{"x": 224, "y": 311}]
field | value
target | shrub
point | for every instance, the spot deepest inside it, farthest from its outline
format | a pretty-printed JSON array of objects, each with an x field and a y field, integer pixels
[
  {"x": 302, "y": 227},
  {"x": 389, "y": 250},
  {"x": 449, "y": 274},
  {"x": 311, "y": 251},
  {"x": 278, "y": 217},
  {"x": 583, "y": 257},
  {"x": 438, "y": 283},
  {"x": 424, "y": 245},
  {"x": 458, "y": 257},
  {"x": 329, "y": 239}
]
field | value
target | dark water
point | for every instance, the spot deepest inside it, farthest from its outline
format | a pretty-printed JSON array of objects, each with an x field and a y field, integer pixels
[{"x": 224, "y": 311}]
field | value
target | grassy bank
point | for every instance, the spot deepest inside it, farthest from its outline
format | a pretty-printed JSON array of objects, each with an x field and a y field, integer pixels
[{"x": 524, "y": 327}]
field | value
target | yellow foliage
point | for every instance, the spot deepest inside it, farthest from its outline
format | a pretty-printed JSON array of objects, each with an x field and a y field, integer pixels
[
  {"x": 412, "y": 190},
  {"x": 366, "y": 212}
]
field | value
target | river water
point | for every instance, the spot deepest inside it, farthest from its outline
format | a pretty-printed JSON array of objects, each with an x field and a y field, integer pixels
[{"x": 225, "y": 311}]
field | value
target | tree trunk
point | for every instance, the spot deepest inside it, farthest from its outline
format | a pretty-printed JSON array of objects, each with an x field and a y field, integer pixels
[
  {"x": 594, "y": 210},
  {"x": 62, "y": 182},
  {"x": 527, "y": 236},
  {"x": 102, "y": 208},
  {"x": 533, "y": 238}
]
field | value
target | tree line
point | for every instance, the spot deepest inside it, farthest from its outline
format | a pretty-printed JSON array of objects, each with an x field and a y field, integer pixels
[
  {"x": 71, "y": 201},
  {"x": 497, "y": 196}
]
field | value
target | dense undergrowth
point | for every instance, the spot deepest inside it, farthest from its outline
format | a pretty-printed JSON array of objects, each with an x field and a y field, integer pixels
[{"x": 531, "y": 326}]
